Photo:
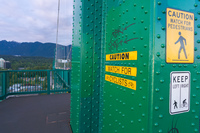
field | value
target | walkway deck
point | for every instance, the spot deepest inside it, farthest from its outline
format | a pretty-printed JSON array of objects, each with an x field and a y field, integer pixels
[{"x": 36, "y": 114}]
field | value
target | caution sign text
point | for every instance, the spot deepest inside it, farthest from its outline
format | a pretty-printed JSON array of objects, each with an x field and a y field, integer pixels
[
  {"x": 131, "y": 71},
  {"x": 121, "y": 81},
  {"x": 179, "y": 36},
  {"x": 122, "y": 56}
]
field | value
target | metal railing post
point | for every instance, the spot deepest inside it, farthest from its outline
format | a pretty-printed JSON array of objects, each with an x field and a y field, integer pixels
[
  {"x": 48, "y": 82},
  {"x": 4, "y": 86}
]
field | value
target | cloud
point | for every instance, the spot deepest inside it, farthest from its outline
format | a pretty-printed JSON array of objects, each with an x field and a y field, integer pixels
[{"x": 36, "y": 20}]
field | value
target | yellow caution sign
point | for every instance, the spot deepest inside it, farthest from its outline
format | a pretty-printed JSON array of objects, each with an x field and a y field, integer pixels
[
  {"x": 122, "y": 56},
  {"x": 121, "y": 81},
  {"x": 131, "y": 71},
  {"x": 179, "y": 36}
]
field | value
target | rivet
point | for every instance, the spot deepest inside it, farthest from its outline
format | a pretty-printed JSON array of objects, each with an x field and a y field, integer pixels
[
  {"x": 161, "y": 98},
  {"x": 195, "y": 5},
  {"x": 163, "y": 11},
  {"x": 156, "y": 108},
  {"x": 156, "y": 124},
  {"x": 162, "y": 45},
  {"x": 195, "y": 49},
  {"x": 159, "y": 3},
  {"x": 163, "y": 28},
  {"x": 193, "y": 111},
  {"x": 158, "y": 36},
  {"x": 158, "y": 54},
  {"x": 162, "y": 81},
  {"x": 157, "y": 90},
  {"x": 160, "y": 116},
  {"x": 159, "y": 18},
  {"x": 157, "y": 72}
]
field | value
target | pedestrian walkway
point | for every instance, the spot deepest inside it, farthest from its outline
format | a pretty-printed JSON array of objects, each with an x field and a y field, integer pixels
[{"x": 36, "y": 114}]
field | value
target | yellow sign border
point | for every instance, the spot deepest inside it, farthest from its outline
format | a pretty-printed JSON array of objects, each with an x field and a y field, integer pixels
[{"x": 191, "y": 53}]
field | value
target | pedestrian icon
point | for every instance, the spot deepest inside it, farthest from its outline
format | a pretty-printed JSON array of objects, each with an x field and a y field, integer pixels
[
  {"x": 175, "y": 104},
  {"x": 181, "y": 40}
]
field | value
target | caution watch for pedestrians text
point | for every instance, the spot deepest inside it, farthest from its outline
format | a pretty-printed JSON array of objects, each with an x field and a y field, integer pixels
[{"x": 179, "y": 36}]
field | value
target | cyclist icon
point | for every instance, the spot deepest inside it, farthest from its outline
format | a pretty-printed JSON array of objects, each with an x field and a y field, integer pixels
[{"x": 181, "y": 39}]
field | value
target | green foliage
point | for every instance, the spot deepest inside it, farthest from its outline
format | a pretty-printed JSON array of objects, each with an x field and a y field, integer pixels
[{"x": 29, "y": 63}]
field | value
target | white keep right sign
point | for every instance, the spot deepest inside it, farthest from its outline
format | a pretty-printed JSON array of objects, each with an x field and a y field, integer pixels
[{"x": 179, "y": 92}]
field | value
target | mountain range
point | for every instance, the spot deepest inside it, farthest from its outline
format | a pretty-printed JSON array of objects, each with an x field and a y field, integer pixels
[{"x": 30, "y": 48}]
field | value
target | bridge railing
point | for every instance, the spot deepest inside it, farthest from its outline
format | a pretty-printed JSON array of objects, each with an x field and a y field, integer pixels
[{"x": 16, "y": 82}]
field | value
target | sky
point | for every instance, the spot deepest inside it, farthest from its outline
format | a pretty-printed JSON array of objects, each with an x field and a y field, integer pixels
[{"x": 36, "y": 20}]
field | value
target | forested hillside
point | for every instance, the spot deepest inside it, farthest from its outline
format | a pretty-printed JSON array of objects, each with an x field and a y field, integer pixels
[{"x": 28, "y": 63}]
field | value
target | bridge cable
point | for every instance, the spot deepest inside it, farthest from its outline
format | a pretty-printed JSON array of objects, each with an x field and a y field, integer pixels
[{"x": 56, "y": 56}]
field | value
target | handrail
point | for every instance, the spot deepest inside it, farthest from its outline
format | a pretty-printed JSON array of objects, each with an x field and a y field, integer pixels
[{"x": 19, "y": 82}]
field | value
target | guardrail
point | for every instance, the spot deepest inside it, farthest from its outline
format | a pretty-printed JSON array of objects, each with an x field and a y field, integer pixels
[{"x": 16, "y": 82}]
